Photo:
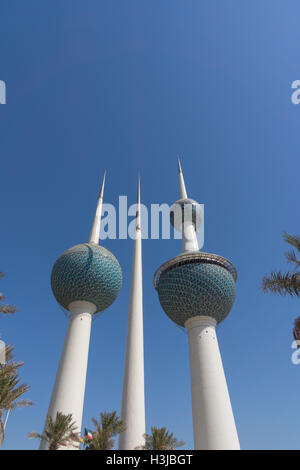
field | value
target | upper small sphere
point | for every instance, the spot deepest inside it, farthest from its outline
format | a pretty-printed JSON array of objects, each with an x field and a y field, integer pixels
[
  {"x": 186, "y": 210},
  {"x": 195, "y": 287},
  {"x": 86, "y": 272}
]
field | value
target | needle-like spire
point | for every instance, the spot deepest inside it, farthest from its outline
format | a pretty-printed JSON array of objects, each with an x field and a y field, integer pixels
[
  {"x": 183, "y": 193},
  {"x": 133, "y": 395},
  {"x": 139, "y": 190},
  {"x": 95, "y": 232},
  {"x": 138, "y": 207}
]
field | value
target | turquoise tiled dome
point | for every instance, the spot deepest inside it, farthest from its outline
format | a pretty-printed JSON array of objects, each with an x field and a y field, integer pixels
[
  {"x": 86, "y": 272},
  {"x": 196, "y": 288}
]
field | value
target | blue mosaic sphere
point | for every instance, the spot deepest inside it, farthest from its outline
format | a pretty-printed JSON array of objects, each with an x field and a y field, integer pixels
[
  {"x": 86, "y": 272},
  {"x": 196, "y": 288}
]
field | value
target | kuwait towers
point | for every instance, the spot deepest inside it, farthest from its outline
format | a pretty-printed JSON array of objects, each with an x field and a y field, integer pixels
[
  {"x": 197, "y": 291},
  {"x": 133, "y": 396},
  {"x": 85, "y": 280}
]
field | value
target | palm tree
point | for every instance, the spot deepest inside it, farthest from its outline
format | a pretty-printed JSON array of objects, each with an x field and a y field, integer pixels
[
  {"x": 60, "y": 432},
  {"x": 10, "y": 388},
  {"x": 289, "y": 282},
  {"x": 109, "y": 425},
  {"x": 160, "y": 439},
  {"x": 4, "y": 308}
]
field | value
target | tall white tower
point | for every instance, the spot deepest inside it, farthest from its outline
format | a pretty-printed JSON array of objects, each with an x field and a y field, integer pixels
[
  {"x": 197, "y": 290},
  {"x": 85, "y": 280},
  {"x": 133, "y": 396}
]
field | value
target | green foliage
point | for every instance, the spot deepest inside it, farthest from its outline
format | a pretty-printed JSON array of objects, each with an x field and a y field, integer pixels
[
  {"x": 10, "y": 388},
  {"x": 289, "y": 282},
  {"x": 160, "y": 439},
  {"x": 108, "y": 426},
  {"x": 60, "y": 432}
]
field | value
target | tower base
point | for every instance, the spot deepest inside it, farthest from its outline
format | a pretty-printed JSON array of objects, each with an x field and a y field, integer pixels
[
  {"x": 68, "y": 392},
  {"x": 213, "y": 420}
]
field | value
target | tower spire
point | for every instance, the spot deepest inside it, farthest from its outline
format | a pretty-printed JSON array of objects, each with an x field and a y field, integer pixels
[
  {"x": 185, "y": 216},
  {"x": 182, "y": 189},
  {"x": 133, "y": 395},
  {"x": 139, "y": 191},
  {"x": 95, "y": 232}
]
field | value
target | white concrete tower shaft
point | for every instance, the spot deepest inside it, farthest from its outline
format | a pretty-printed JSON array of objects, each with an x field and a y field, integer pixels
[
  {"x": 213, "y": 420},
  {"x": 68, "y": 392},
  {"x": 189, "y": 236},
  {"x": 69, "y": 388},
  {"x": 133, "y": 395}
]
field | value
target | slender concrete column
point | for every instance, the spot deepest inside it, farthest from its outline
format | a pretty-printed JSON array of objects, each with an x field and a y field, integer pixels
[
  {"x": 214, "y": 425},
  {"x": 133, "y": 395},
  {"x": 68, "y": 392},
  {"x": 189, "y": 238}
]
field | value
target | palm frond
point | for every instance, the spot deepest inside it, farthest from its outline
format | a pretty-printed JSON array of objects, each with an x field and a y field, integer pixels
[
  {"x": 296, "y": 331},
  {"x": 282, "y": 284},
  {"x": 160, "y": 439},
  {"x": 58, "y": 432},
  {"x": 10, "y": 387},
  {"x": 9, "y": 352},
  {"x": 5, "y": 308},
  {"x": 8, "y": 309},
  {"x": 291, "y": 258},
  {"x": 293, "y": 240},
  {"x": 107, "y": 427}
]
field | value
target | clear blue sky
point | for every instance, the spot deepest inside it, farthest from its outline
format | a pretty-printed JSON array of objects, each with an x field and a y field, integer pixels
[{"x": 126, "y": 86}]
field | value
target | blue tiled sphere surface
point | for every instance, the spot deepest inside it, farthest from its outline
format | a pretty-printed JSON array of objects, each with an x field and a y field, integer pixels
[
  {"x": 196, "y": 289},
  {"x": 86, "y": 272}
]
